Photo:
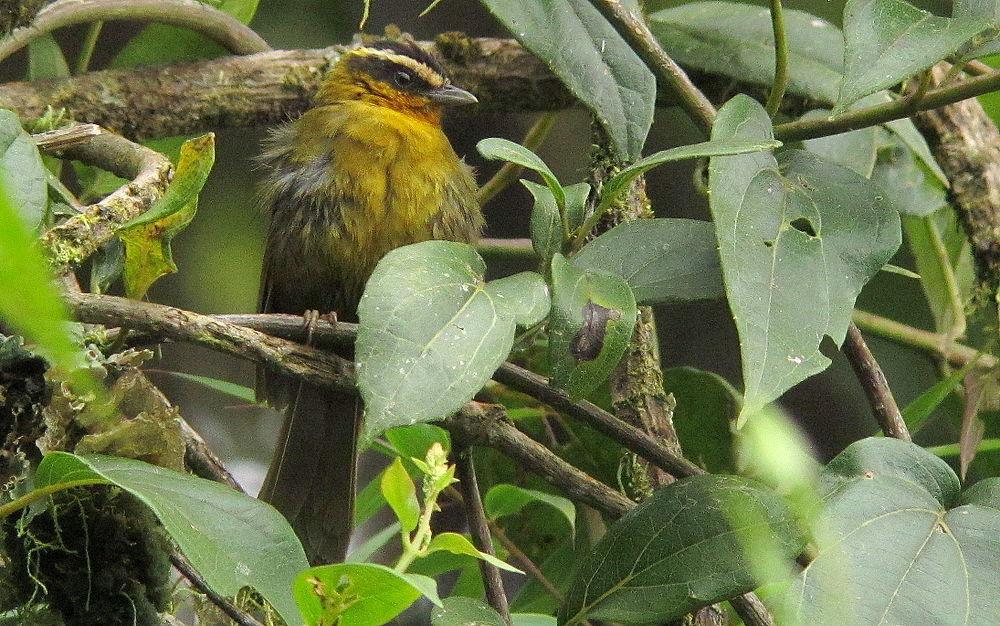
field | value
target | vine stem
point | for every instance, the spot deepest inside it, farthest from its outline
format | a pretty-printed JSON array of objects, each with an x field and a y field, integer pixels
[
  {"x": 780, "y": 59},
  {"x": 635, "y": 31},
  {"x": 43, "y": 492},
  {"x": 888, "y": 111},
  {"x": 956, "y": 354},
  {"x": 87, "y": 49},
  {"x": 217, "y": 25}
]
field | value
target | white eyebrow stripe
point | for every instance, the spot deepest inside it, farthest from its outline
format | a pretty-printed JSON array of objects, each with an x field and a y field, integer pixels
[{"x": 422, "y": 70}]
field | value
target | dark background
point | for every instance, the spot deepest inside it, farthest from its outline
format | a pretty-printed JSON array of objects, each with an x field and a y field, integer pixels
[{"x": 219, "y": 254}]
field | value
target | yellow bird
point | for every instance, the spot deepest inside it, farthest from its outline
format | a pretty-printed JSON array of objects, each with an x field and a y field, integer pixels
[{"x": 367, "y": 169}]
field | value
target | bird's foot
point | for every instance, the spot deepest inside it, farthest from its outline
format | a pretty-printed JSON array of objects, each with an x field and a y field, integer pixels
[
  {"x": 330, "y": 318},
  {"x": 310, "y": 319}
]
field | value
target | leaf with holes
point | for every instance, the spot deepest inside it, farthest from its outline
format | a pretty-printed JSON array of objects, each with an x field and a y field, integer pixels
[
  {"x": 937, "y": 549},
  {"x": 662, "y": 260},
  {"x": 888, "y": 41},
  {"x": 592, "y": 60},
  {"x": 147, "y": 238},
  {"x": 593, "y": 316},
  {"x": 798, "y": 239},
  {"x": 737, "y": 40},
  {"x": 432, "y": 331},
  {"x": 679, "y": 550}
]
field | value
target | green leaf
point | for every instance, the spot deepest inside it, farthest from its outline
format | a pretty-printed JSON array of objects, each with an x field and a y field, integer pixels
[
  {"x": 662, "y": 260},
  {"x": 737, "y": 40},
  {"x": 373, "y": 544},
  {"x": 498, "y": 149},
  {"x": 401, "y": 495},
  {"x": 412, "y": 442},
  {"x": 159, "y": 43},
  {"x": 988, "y": 42},
  {"x": 369, "y": 501},
  {"x": 45, "y": 59},
  {"x": 576, "y": 204},
  {"x": 905, "y": 130},
  {"x": 707, "y": 406},
  {"x": 679, "y": 550},
  {"x": 547, "y": 230},
  {"x": 888, "y": 41},
  {"x": 943, "y": 258},
  {"x": 593, "y": 316},
  {"x": 592, "y": 60},
  {"x": 232, "y": 390},
  {"x": 506, "y": 499},
  {"x": 359, "y": 594},
  {"x": 798, "y": 239},
  {"x": 854, "y": 150},
  {"x": 458, "y": 544},
  {"x": 916, "y": 413},
  {"x": 935, "y": 564},
  {"x": 231, "y": 539},
  {"x": 147, "y": 237},
  {"x": 619, "y": 182},
  {"x": 29, "y": 301},
  {"x": 432, "y": 331},
  {"x": 532, "y": 619},
  {"x": 458, "y": 611},
  {"x": 906, "y": 182},
  {"x": 21, "y": 170}
]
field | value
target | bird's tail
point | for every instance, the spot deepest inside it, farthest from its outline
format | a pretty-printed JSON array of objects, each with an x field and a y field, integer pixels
[{"x": 311, "y": 480}]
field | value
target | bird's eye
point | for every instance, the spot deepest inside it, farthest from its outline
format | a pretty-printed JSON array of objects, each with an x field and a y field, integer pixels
[{"x": 403, "y": 78}]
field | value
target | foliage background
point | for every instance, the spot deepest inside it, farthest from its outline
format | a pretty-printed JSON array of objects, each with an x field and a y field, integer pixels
[{"x": 219, "y": 254}]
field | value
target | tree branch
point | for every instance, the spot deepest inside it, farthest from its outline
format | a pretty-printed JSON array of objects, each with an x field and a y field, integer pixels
[
  {"x": 203, "y": 18},
  {"x": 480, "y": 531},
  {"x": 183, "y": 566},
  {"x": 73, "y": 241},
  {"x": 870, "y": 375}
]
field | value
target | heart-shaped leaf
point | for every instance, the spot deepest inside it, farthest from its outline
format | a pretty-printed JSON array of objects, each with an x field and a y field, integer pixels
[
  {"x": 231, "y": 539},
  {"x": 662, "y": 260},
  {"x": 592, "y": 60},
  {"x": 593, "y": 316},
  {"x": 681, "y": 549},
  {"x": 888, "y": 41},
  {"x": 432, "y": 331},
  {"x": 797, "y": 241},
  {"x": 936, "y": 555},
  {"x": 359, "y": 594},
  {"x": 737, "y": 40}
]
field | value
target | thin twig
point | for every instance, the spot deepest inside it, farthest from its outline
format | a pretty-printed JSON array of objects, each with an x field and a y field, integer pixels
[
  {"x": 238, "y": 615},
  {"x": 205, "y": 19},
  {"x": 62, "y": 138},
  {"x": 751, "y": 610},
  {"x": 87, "y": 47},
  {"x": 202, "y": 461},
  {"x": 956, "y": 354},
  {"x": 870, "y": 375},
  {"x": 509, "y": 171},
  {"x": 479, "y": 529},
  {"x": 635, "y": 31},
  {"x": 777, "y": 93},
  {"x": 525, "y": 562}
]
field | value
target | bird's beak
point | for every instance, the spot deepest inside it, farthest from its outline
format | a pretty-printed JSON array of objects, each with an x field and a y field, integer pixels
[{"x": 450, "y": 95}]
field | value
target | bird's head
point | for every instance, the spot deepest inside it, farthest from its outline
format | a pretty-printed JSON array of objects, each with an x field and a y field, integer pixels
[{"x": 399, "y": 75}]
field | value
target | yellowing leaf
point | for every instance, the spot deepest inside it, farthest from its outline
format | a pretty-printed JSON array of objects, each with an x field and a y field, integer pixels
[{"x": 147, "y": 237}]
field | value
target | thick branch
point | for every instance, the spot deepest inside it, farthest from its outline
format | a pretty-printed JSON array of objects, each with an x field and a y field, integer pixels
[
  {"x": 967, "y": 145},
  {"x": 72, "y": 241},
  {"x": 240, "y": 617},
  {"x": 219, "y": 26},
  {"x": 308, "y": 364}
]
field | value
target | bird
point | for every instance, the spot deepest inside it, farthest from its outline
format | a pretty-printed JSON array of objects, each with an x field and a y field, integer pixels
[{"x": 366, "y": 169}]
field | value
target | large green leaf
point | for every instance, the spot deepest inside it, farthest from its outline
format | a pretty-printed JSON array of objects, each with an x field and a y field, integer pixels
[
  {"x": 593, "y": 316},
  {"x": 707, "y": 407},
  {"x": 736, "y": 40},
  {"x": 855, "y": 150},
  {"x": 21, "y": 169},
  {"x": 662, "y": 260},
  {"x": 458, "y": 611},
  {"x": 888, "y": 41},
  {"x": 592, "y": 60},
  {"x": 432, "y": 331},
  {"x": 358, "y": 594},
  {"x": 989, "y": 41},
  {"x": 798, "y": 239},
  {"x": 679, "y": 550},
  {"x": 147, "y": 238},
  {"x": 233, "y": 540},
  {"x": 898, "y": 544},
  {"x": 159, "y": 43},
  {"x": 45, "y": 59}
]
